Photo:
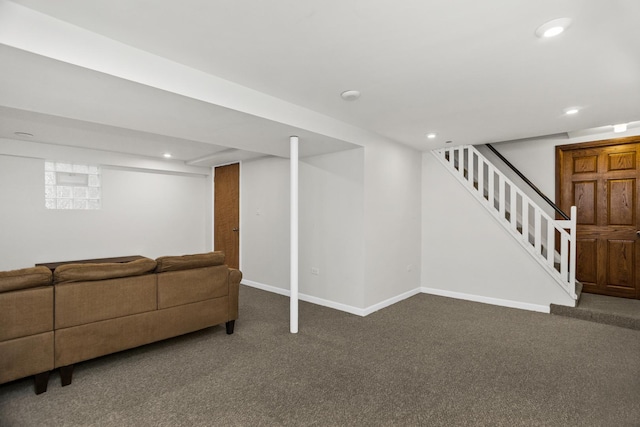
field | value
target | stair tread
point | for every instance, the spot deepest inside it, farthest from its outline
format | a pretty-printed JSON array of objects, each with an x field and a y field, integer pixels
[{"x": 608, "y": 310}]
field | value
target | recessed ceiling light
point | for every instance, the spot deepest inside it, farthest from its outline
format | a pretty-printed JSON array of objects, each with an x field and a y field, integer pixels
[
  {"x": 350, "y": 95},
  {"x": 431, "y": 135},
  {"x": 571, "y": 111},
  {"x": 622, "y": 127},
  {"x": 25, "y": 134},
  {"x": 553, "y": 27},
  {"x": 167, "y": 155}
]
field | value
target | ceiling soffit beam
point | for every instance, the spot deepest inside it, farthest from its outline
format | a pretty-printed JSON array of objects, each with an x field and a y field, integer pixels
[{"x": 35, "y": 32}]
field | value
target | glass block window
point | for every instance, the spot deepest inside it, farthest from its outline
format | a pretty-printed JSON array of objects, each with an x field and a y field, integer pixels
[{"x": 71, "y": 186}]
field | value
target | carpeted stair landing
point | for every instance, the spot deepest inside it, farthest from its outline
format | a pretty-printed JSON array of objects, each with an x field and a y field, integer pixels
[{"x": 622, "y": 312}]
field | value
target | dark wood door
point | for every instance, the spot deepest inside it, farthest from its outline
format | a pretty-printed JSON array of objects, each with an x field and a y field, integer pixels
[
  {"x": 226, "y": 213},
  {"x": 602, "y": 182}
]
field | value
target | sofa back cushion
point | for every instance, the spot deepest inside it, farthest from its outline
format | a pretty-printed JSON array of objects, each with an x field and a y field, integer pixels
[
  {"x": 78, "y": 303},
  {"x": 24, "y": 278},
  {"x": 102, "y": 271},
  {"x": 188, "y": 286},
  {"x": 186, "y": 262}
]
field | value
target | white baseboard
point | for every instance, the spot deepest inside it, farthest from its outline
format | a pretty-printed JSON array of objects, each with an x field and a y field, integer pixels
[
  {"x": 487, "y": 300},
  {"x": 371, "y": 309},
  {"x": 391, "y": 301},
  {"x": 332, "y": 304},
  {"x": 268, "y": 288}
]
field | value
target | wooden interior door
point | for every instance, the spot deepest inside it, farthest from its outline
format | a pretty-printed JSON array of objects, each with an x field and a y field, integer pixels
[
  {"x": 226, "y": 213},
  {"x": 601, "y": 180}
]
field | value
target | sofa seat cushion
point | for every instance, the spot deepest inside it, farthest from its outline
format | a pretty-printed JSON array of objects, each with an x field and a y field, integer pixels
[
  {"x": 102, "y": 271},
  {"x": 26, "y": 312},
  {"x": 84, "y": 342},
  {"x": 26, "y": 356},
  {"x": 24, "y": 278},
  {"x": 79, "y": 303},
  {"x": 186, "y": 262}
]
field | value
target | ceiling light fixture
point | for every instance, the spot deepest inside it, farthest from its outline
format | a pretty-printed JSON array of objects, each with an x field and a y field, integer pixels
[
  {"x": 571, "y": 111},
  {"x": 622, "y": 127},
  {"x": 431, "y": 135},
  {"x": 25, "y": 134},
  {"x": 350, "y": 95},
  {"x": 553, "y": 28},
  {"x": 167, "y": 155}
]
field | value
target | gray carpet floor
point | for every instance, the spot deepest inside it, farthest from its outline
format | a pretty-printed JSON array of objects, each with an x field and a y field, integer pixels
[{"x": 426, "y": 361}]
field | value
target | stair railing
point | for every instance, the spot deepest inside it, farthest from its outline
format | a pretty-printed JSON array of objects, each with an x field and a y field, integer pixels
[
  {"x": 551, "y": 242},
  {"x": 528, "y": 182}
]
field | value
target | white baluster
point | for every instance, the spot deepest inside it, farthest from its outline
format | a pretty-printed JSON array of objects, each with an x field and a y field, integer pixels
[
  {"x": 551, "y": 243},
  {"x": 513, "y": 207},
  {"x": 470, "y": 167},
  {"x": 502, "y": 197},
  {"x": 491, "y": 193},
  {"x": 525, "y": 218},
  {"x": 537, "y": 231},
  {"x": 564, "y": 256},
  {"x": 481, "y": 177}
]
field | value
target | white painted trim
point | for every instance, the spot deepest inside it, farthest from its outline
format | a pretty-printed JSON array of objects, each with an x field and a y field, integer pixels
[
  {"x": 425, "y": 290},
  {"x": 308, "y": 298},
  {"x": 386, "y": 303},
  {"x": 335, "y": 305},
  {"x": 268, "y": 288},
  {"x": 487, "y": 300},
  {"x": 332, "y": 304}
]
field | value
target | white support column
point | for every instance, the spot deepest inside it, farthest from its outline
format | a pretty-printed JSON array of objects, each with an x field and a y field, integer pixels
[{"x": 294, "y": 235}]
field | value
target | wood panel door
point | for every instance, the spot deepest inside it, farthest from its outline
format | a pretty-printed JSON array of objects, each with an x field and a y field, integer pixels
[
  {"x": 602, "y": 182},
  {"x": 226, "y": 213}
]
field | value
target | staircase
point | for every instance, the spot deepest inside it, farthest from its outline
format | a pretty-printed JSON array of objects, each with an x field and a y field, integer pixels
[{"x": 550, "y": 242}]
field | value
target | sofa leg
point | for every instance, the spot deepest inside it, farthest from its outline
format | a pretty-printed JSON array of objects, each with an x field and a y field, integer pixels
[
  {"x": 66, "y": 374},
  {"x": 230, "y": 324},
  {"x": 41, "y": 381}
]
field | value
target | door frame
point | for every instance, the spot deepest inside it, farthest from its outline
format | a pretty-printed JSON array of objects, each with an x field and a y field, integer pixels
[{"x": 213, "y": 207}]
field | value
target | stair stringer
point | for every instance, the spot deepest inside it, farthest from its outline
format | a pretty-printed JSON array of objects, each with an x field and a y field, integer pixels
[{"x": 531, "y": 242}]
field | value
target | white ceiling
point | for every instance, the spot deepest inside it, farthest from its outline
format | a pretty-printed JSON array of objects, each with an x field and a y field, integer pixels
[{"x": 471, "y": 71}]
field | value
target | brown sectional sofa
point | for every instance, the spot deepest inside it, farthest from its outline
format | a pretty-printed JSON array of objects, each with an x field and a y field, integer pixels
[
  {"x": 103, "y": 308},
  {"x": 26, "y": 325}
]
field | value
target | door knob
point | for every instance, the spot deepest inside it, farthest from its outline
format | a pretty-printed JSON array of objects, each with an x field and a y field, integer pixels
[{"x": 237, "y": 229}]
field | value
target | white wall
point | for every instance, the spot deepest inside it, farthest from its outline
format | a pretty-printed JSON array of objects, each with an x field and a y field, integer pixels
[
  {"x": 264, "y": 221},
  {"x": 467, "y": 254},
  {"x": 359, "y": 225},
  {"x": 392, "y": 222},
  {"x": 332, "y": 227},
  {"x": 143, "y": 213}
]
